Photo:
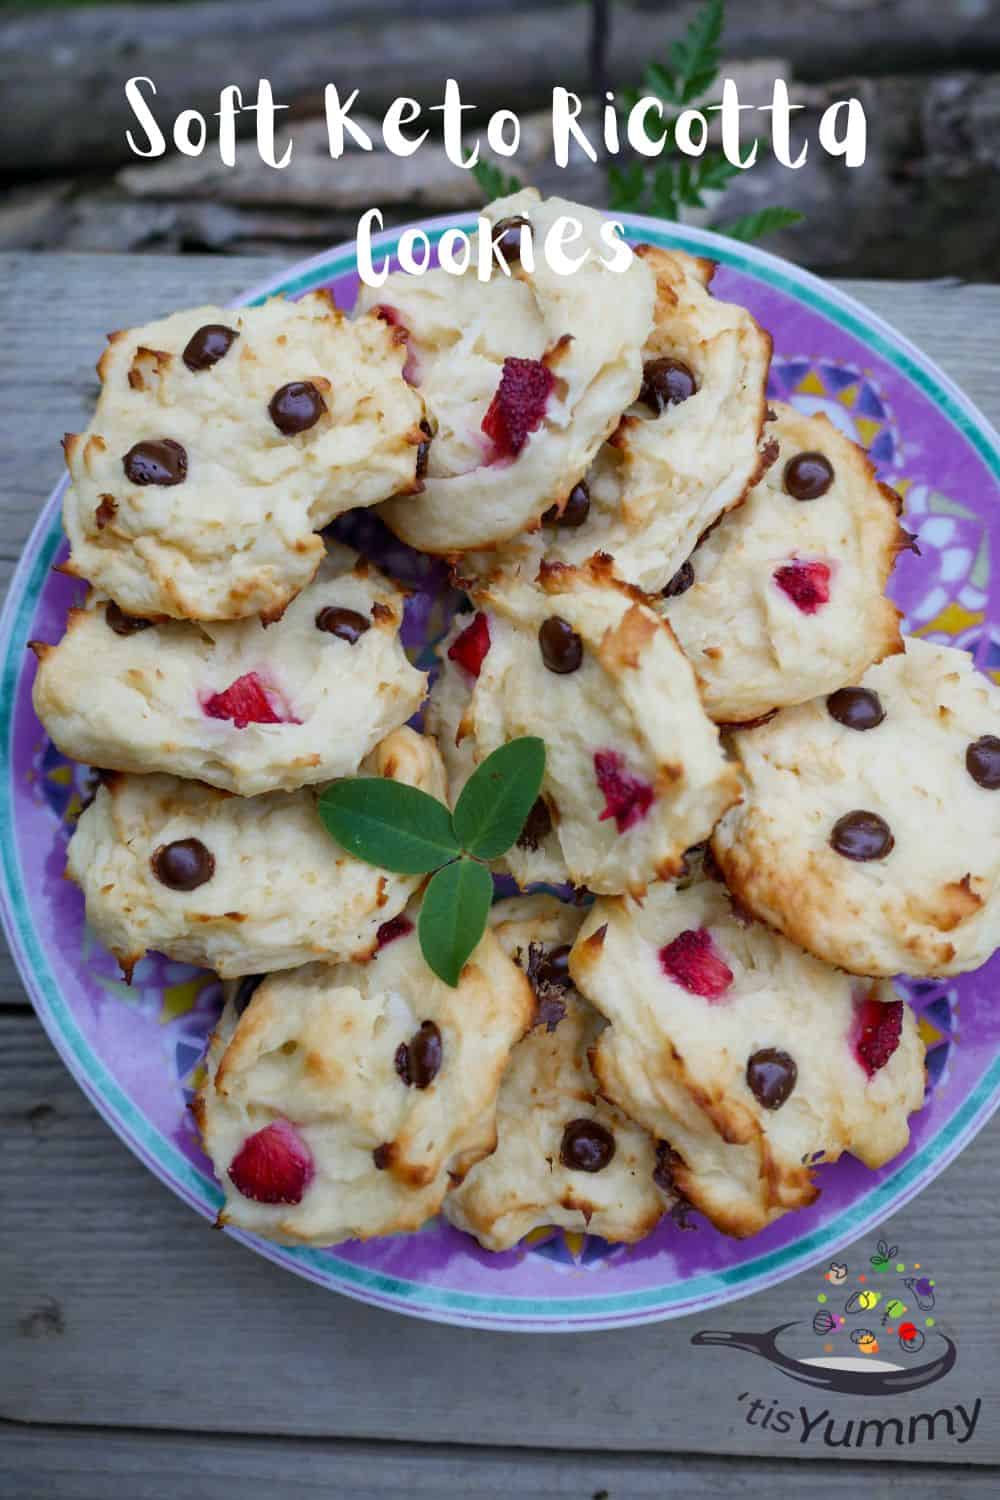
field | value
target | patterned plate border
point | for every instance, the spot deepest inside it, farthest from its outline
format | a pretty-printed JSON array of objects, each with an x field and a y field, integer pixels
[{"x": 523, "y": 1314}]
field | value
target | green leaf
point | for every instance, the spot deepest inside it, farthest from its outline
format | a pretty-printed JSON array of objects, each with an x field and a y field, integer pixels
[
  {"x": 453, "y": 916},
  {"x": 627, "y": 187},
  {"x": 493, "y": 182},
  {"x": 765, "y": 221},
  {"x": 389, "y": 824},
  {"x": 713, "y": 172},
  {"x": 695, "y": 59},
  {"x": 498, "y": 797}
]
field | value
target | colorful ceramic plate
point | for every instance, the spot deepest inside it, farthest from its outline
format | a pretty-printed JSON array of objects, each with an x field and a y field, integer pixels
[{"x": 136, "y": 1050}]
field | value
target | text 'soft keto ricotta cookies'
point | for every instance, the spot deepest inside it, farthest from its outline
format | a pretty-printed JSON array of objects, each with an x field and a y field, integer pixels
[
  {"x": 751, "y": 1060},
  {"x": 242, "y": 706},
  {"x": 346, "y": 1100},
  {"x": 223, "y": 440},
  {"x": 870, "y": 827},
  {"x": 241, "y": 885}
]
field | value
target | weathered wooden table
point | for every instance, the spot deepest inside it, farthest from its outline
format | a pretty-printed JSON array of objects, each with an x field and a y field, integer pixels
[{"x": 141, "y": 1354}]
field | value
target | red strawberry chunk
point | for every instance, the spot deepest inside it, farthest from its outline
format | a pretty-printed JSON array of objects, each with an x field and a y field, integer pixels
[
  {"x": 807, "y": 584},
  {"x": 878, "y": 1026},
  {"x": 469, "y": 649},
  {"x": 245, "y": 701},
  {"x": 693, "y": 961},
  {"x": 274, "y": 1165},
  {"x": 396, "y": 927},
  {"x": 518, "y": 407},
  {"x": 627, "y": 798}
]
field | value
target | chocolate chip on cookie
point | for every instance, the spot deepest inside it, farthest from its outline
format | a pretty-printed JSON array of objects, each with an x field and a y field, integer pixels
[
  {"x": 856, "y": 708},
  {"x": 121, "y": 623},
  {"x": 771, "y": 1076},
  {"x": 587, "y": 1146},
  {"x": 183, "y": 865},
  {"x": 210, "y": 343},
  {"x": 418, "y": 1061},
  {"x": 982, "y": 761},
  {"x": 807, "y": 476},
  {"x": 862, "y": 836},
  {"x": 161, "y": 462},
  {"x": 561, "y": 647},
  {"x": 296, "y": 407},
  {"x": 681, "y": 581},
  {"x": 666, "y": 382},
  {"x": 574, "y": 512},
  {"x": 507, "y": 236},
  {"x": 346, "y": 624},
  {"x": 424, "y": 448}
]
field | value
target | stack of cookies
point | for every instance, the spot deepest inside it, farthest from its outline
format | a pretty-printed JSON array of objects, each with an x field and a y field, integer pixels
[{"x": 760, "y": 801}]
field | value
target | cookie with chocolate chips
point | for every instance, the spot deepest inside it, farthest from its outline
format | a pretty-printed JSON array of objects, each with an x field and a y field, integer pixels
[
  {"x": 222, "y": 442},
  {"x": 236, "y": 705},
  {"x": 753, "y": 1060},
  {"x": 786, "y": 598},
  {"x": 242, "y": 885},
  {"x": 869, "y": 831},
  {"x": 346, "y": 1099},
  {"x": 564, "y": 1155},
  {"x": 525, "y": 376},
  {"x": 635, "y": 771}
]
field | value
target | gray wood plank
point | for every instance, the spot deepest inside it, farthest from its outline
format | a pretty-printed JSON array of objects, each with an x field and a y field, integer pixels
[
  {"x": 53, "y": 1464},
  {"x": 119, "y": 1307}
]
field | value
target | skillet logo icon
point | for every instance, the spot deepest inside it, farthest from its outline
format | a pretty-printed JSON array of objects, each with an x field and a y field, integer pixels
[{"x": 872, "y": 1331}]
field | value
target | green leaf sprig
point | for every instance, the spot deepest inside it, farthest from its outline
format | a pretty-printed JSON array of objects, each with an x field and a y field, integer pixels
[
  {"x": 493, "y": 182},
  {"x": 403, "y": 829},
  {"x": 677, "y": 182}
]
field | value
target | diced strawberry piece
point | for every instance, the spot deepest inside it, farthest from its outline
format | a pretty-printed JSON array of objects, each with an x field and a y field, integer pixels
[
  {"x": 807, "y": 584},
  {"x": 627, "y": 798},
  {"x": 274, "y": 1165},
  {"x": 878, "y": 1026},
  {"x": 245, "y": 701},
  {"x": 469, "y": 649},
  {"x": 519, "y": 405},
  {"x": 396, "y": 927},
  {"x": 693, "y": 961}
]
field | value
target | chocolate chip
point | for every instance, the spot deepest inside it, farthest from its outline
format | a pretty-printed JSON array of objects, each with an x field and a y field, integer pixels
[
  {"x": 807, "y": 476},
  {"x": 418, "y": 1061},
  {"x": 537, "y": 826},
  {"x": 162, "y": 462},
  {"x": 210, "y": 343},
  {"x": 771, "y": 1076},
  {"x": 562, "y": 648},
  {"x": 666, "y": 382},
  {"x": 663, "y": 1173},
  {"x": 424, "y": 449},
  {"x": 507, "y": 236},
  {"x": 296, "y": 407},
  {"x": 346, "y": 624},
  {"x": 574, "y": 512},
  {"x": 856, "y": 708},
  {"x": 382, "y": 1155},
  {"x": 245, "y": 990},
  {"x": 982, "y": 761},
  {"x": 121, "y": 623},
  {"x": 681, "y": 581},
  {"x": 554, "y": 967},
  {"x": 105, "y": 511},
  {"x": 183, "y": 865},
  {"x": 587, "y": 1146},
  {"x": 862, "y": 835}
]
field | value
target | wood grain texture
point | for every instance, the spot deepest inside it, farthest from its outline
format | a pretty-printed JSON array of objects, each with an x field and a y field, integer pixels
[
  {"x": 52, "y": 1464},
  {"x": 120, "y": 1308}
]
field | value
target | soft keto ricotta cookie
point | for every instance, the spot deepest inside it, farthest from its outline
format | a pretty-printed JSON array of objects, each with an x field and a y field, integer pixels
[
  {"x": 785, "y": 599},
  {"x": 239, "y": 884},
  {"x": 870, "y": 827},
  {"x": 635, "y": 773},
  {"x": 238, "y": 705},
  {"x": 753, "y": 1061},
  {"x": 222, "y": 441},
  {"x": 686, "y": 451},
  {"x": 564, "y": 1156},
  {"x": 347, "y": 1099},
  {"x": 524, "y": 376}
]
